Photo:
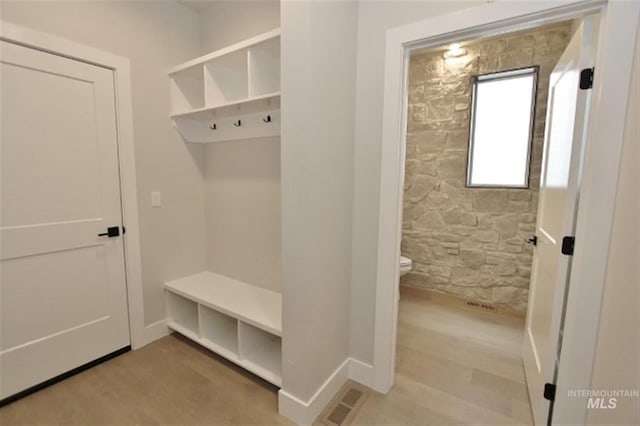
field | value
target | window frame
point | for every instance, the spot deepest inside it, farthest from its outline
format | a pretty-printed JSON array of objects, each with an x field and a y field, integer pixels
[{"x": 533, "y": 70}]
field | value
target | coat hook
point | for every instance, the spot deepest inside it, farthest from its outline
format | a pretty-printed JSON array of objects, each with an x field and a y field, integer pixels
[
  {"x": 213, "y": 126},
  {"x": 238, "y": 123},
  {"x": 267, "y": 119}
]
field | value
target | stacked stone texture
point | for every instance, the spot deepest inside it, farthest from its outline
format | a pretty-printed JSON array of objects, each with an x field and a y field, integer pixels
[{"x": 470, "y": 242}]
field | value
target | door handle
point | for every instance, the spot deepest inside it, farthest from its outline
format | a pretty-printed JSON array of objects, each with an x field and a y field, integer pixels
[{"x": 112, "y": 231}]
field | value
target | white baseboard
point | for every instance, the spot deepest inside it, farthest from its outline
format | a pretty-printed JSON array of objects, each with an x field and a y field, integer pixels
[
  {"x": 361, "y": 372},
  {"x": 155, "y": 331},
  {"x": 292, "y": 408},
  {"x": 304, "y": 413}
]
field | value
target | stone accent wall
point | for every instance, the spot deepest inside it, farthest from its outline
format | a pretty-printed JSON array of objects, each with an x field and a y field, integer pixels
[{"x": 470, "y": 242}]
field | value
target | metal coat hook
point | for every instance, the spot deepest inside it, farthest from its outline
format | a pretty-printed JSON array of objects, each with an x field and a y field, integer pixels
[
  {"x": 238, "y": 123},
  {"x": 267, "y": 119},
  {"x": 213, "y": 126}
]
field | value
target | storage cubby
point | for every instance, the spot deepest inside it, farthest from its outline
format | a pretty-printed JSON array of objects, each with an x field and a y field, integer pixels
[
  {"x": 226, "y": 79},
  {"x": 264, "y": 68},
  {"x": 237, "y": 320},
  {"x": 261, "y": 350},
  {"x": 187, "y": 89},
  {"x": 230, "y": 94},
  {"x": 219, "y": 329},
  {"x": 183, "y": 314}
]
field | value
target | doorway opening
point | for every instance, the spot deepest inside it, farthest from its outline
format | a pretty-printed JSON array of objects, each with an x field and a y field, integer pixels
[
  {"x": 617, "y": 30},
  {"x": 464, "y": 240},
  {"x": 467, "y": 246}
]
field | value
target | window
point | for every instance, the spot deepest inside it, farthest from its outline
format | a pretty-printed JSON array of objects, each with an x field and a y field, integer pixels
[{"x": 501, "y": 128}]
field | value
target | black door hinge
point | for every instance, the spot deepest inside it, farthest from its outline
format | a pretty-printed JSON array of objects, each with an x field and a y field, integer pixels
[
  {"x": 586, "y": 78},
  {"x": 533, "y": 240},
  {"x": 549, "y": 391},
  {"x": 568, "y": 244}
]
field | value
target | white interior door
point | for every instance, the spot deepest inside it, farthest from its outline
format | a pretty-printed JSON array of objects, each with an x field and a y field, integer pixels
[
  {"x": 559, "y": 185},
  {"x": 63, "y": 296}
]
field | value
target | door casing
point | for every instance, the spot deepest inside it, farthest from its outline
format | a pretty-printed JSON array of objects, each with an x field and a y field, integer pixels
[
  {"x": 618, "y": 26},
  {"x": 120, "y": 66}
]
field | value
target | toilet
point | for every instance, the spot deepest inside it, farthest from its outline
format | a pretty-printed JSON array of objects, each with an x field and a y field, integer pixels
[{"x": 405, "y": 265}]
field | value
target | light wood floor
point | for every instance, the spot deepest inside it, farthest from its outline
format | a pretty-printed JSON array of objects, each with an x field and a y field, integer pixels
[
  {"x": 170, "y": 381},
  {"x": 455, "y": 366}
]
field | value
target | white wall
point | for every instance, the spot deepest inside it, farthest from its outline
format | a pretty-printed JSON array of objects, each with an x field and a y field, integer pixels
[
  {"x": 242, "y": 183},
  {"x": 374, "y": 18},
  {"x": 318, "y": 77},
  {"x": 618, "y": 347},
  {"x": 154, "y": 36},
  {"x": 226, "y": 22}
]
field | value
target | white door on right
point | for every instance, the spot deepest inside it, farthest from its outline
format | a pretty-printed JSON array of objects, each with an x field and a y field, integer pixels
[{"x": 564, "y": 145}]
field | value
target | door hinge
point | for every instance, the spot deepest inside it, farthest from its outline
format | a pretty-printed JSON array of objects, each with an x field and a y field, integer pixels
[
  {"x": 568, "y": 243},
  {"x": 586, "y": 78},
  {"x": 549, "y": 391},
  {"x": 533, "y": 240}
]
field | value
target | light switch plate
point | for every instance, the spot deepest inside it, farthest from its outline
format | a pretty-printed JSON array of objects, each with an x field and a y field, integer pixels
[{"x": 156, "y": 199}]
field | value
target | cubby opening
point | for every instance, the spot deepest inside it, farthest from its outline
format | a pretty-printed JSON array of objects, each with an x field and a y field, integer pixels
[
  {"x": 187, "y": 89},
  {"x": 219, "y": 329},
  {"x": 264, "y": 68},
  {"x": 226, "y": 78},
  {"x": 230, "y": 94},
  {"x": 183, "y": 313},
  {"x": 261, "y": 349}
]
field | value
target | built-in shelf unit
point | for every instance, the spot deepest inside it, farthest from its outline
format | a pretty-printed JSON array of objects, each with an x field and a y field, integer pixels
[
  {"x": 238, "y": 321},
  {"x": 230, "y": 94}
]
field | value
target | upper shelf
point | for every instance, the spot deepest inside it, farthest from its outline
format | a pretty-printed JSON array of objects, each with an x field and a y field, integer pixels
[
  {"x": 268, "y": 36},
  {"x": 231, "y": 109},
  {"x": 237, "y": 74},
  {"x": 257, "y": 117}
]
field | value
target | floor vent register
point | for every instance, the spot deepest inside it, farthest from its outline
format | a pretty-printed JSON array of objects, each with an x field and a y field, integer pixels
[{"x": 342, "y": 410}]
